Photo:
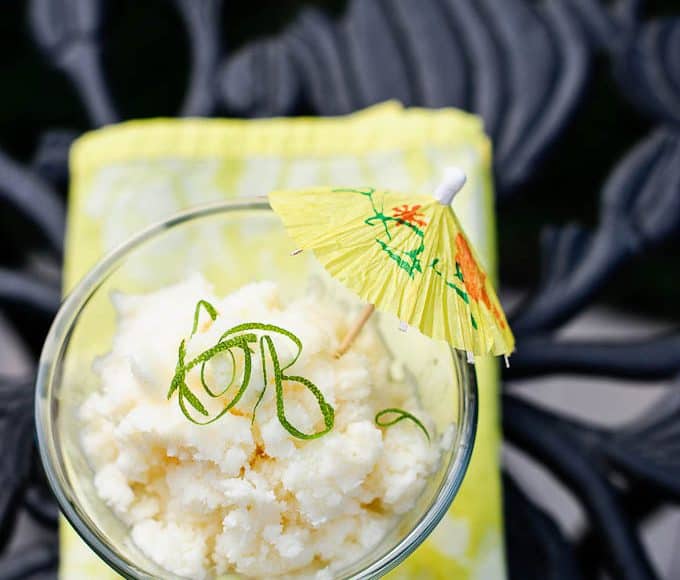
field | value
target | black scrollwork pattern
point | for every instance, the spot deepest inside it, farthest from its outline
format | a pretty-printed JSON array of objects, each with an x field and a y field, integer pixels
[{"x": 524, "y": 66}]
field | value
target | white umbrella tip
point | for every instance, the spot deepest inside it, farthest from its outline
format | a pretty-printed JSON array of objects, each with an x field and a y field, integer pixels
[{"x": 453, "y": 182}]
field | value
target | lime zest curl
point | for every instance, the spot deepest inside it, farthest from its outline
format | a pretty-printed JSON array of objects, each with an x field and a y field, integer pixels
[
  {"x": 240, "y": 337},
  {"x": 209, "y": 308},
  {"x": 179, "y": 380},
  {"x": 401, "y": 416},
  {"x": 204, "y": 383},
  {"x": 326, "y": 409}
]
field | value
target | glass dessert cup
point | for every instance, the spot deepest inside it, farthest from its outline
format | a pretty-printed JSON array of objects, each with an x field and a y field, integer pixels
[{"x": 231, "y": 244}]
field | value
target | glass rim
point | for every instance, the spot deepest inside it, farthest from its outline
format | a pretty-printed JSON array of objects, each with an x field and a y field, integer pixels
[{"x": 53, "y": 350}]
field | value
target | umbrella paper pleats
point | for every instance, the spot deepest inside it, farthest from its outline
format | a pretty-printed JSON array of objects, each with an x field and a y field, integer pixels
[{"x": 403, "y": 253}]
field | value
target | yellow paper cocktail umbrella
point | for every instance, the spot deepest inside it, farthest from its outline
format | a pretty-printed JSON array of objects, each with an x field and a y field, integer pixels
[{"x": 405, "y": 254}]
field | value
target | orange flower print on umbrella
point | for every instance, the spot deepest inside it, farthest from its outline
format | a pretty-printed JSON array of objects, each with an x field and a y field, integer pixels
[
  {"x": 474, "y": 279},
  {"x": 411, "y": 215}
]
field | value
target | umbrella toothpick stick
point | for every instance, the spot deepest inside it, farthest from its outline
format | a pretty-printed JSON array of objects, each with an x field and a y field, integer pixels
[{"x": 355, "y": 330}]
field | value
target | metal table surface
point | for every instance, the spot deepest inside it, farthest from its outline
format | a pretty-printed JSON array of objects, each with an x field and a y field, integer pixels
[{"x": 527, "y": 67}]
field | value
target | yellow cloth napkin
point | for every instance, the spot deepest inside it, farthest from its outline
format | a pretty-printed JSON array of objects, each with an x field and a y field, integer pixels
[{"x": 127, "y": 176}]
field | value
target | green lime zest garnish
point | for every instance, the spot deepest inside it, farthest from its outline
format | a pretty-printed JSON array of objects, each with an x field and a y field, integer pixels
[
  {"x": 264, "y": 382},
  {"x": 231, "y": 381},
  {"x": 240, "y": 337},
  {"x": 326, "y": 410},
  {"x": 401, "y": 415},
  {"x": 183, "y": 369},
  {"x": 209, "y": 308}
]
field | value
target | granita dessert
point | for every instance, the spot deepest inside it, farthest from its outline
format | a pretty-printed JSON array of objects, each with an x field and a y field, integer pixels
[{"x": 230, "y": 437}]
